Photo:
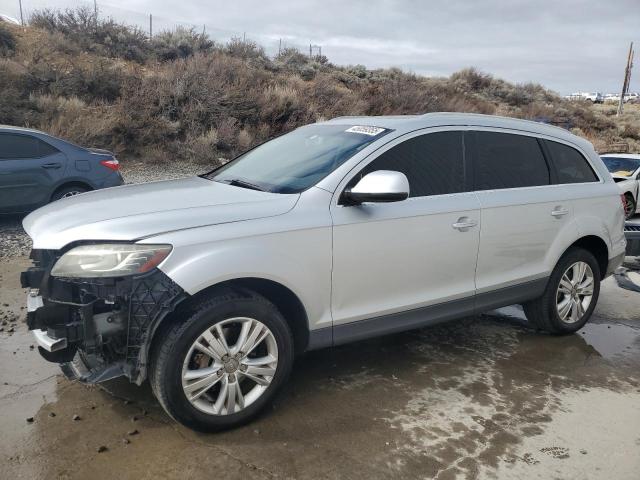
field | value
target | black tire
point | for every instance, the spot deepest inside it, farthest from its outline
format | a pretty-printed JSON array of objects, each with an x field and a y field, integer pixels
[
  {"x": 69, "y": 191},
  {"x": 542, "y": 312},
  {"x": 172, "y": 346},
  {"x": 630, "y": 206}
]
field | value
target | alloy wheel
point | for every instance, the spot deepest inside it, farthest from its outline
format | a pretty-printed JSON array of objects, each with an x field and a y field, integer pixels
[
  {"x": 72, "y": 193},
  {"x": 229, "y": 366},
  {"x": 575, "y": 292}
]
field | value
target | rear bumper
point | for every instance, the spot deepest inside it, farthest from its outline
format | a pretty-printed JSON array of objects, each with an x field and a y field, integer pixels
[
  {"x": 114, "y": 179},
  {"x": 614, "y": 263}
]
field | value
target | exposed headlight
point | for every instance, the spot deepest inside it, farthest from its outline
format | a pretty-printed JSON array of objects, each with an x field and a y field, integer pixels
[{"x": 109, "y": 260}]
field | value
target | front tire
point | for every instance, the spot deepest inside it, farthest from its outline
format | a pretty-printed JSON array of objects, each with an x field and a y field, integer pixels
[
  {"x": 224, "y": 363},
  {"x": 570, "y": 296}
]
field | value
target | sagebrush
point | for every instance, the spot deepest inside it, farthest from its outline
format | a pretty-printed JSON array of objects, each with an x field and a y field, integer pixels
[{"x": 181, "y": 96}]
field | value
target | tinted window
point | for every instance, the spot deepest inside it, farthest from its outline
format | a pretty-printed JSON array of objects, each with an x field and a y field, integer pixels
[
  {"x": 621, "y": 165},
  {"x": 433, "y": 163},
  {"x": 503, "y": 160},
  {"x": 23, "y": 146},
  {"x": 571, "y": 166}
]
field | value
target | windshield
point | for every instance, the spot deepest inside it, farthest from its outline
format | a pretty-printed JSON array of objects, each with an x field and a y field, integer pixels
[
  {"x": 298, "y": 160},
  {"x": 621, "y": 166}
]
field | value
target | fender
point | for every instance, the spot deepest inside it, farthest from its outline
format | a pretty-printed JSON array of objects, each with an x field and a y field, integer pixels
[{"x": 299, "y": 259}]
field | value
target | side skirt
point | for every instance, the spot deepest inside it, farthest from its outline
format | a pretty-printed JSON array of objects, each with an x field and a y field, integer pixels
[{"x": 425, "y": 316}]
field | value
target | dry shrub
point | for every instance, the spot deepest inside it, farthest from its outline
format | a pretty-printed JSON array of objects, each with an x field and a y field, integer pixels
[
  {"x": 76, "y": 79},
  {"x": 202, "y": 148},
  {"x": 180, "y": 43},
  {"x": 7, "y": 40}
]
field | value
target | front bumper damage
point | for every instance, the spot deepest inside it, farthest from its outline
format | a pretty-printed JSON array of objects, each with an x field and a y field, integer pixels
[{"x": 97, "y": 329}]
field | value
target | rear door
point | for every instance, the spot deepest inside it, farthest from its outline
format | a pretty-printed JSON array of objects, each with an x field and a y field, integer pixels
[
  {"x": 29, "y": 169},
  {"x": 524, "y": 215}
]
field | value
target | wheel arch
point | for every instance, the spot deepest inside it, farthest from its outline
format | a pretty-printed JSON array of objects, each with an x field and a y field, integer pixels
[
  {"x": 71, "y": 183},
  {"x": 597, "y": 247},
  {"x": 285, "y": 300}
]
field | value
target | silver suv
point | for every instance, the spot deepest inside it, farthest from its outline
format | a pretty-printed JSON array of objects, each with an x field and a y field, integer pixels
[{"x": 338, "y": 231}]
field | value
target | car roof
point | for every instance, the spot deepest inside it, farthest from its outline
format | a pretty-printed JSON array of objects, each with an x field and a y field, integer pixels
[
  {"x": 408, "y": 123},
  {"x": 635, "y": 156},
  {"x": 21, "y": 129}
]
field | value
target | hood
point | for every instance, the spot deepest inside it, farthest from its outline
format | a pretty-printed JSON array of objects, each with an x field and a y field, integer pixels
[{"x": 132, "y": 212}]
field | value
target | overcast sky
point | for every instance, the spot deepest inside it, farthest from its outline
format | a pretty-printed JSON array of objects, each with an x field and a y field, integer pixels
[{"x": 566, "y": 45}]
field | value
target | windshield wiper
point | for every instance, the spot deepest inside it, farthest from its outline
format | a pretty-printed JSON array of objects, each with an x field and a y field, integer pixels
[{"x": 236, "y": 182}]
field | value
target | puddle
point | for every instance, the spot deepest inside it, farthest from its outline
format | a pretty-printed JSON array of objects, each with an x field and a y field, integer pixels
[{"x": 611, "y": 340}]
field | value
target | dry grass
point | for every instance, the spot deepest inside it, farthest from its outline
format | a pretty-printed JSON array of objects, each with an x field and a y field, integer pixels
[{"x": 182, "y": 97}]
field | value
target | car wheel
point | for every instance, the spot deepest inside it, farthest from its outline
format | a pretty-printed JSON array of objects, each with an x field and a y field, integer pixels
[
  {"x": 629, "y": 206},
  {"x": 68, "y": 192},
  {"x": 570, "y": 296},
  {"x": 222, "y": 365}
]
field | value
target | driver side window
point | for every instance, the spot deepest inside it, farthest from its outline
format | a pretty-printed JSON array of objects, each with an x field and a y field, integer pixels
[{"x": 433, "y": 163}]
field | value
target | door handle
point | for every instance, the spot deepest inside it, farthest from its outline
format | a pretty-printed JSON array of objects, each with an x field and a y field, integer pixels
[
  {"x": 559, "y": 212},
  {"x": 464, "y": 223},
  {"x": 51, "y": 165}
]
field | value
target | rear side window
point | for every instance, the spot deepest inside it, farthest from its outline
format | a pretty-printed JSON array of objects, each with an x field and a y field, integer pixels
[
  {"x": 571, "y": 166},
  {"x": 14, "y": 146},
  {"x": 504, "y": 160},
  {"x": 433, "y": 163}
]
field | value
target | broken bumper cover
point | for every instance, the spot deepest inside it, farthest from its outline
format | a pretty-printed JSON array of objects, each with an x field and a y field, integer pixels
[
  {"x": 96, "y": 328},
  {"x": 50, "y": 344}
]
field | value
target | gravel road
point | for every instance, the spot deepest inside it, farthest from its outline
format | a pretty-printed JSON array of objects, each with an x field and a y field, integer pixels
[{"x": 14, "y": 242}]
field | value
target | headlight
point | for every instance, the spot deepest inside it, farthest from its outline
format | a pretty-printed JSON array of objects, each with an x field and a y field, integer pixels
[{"x": 109, "y": 260}]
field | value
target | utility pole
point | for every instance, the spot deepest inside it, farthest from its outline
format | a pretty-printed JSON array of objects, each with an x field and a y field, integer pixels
[
  {"x": 317, "y": 48},
  {"x": 280, "y": 47},
  {"x": 627, "y": 79},
  {"x": 95, "y": 14},
  {"x": 21, "y": 17},
  {"x": 150, "y": 26}
]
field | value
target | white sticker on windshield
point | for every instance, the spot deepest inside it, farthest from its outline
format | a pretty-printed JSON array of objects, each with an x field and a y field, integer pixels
[{"x": 371, "y": 131}]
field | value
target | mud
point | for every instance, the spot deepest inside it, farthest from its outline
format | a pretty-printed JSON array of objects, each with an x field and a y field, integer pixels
[{"x": 484, "y": 397}]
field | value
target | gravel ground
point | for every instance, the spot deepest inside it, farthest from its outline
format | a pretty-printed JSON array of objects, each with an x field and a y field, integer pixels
[{"x": 14, "y": 242}]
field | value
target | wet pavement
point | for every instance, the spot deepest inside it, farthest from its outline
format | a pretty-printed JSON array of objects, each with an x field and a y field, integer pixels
[{"x": 483, "y": 397}]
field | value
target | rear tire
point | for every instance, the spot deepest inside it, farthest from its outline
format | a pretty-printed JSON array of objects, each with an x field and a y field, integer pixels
[
  {"x": 629, "y": 206},
  {"x": 206, "y": 391},
  {"x": 549, "y": 312},
  {"x": 69, "y": 191}
]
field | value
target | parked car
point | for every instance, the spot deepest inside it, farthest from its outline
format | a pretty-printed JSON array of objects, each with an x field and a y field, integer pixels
[
  {"x": 36, "y": 168},
  {"x": 625, "y": 170},
  {"x": 628, "y": 275},
  {"x": 335, "y": 232},
  {"x": 615, "y": 97},
  {"x": 8, "y": 19},
  {"x": 594, "y": 97}
]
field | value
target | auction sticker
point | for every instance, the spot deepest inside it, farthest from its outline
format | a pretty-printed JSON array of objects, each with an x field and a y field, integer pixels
[{"x": 371, "y": 131}]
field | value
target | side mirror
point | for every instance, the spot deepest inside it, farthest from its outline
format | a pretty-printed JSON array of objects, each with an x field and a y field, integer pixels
[{"x": 378, "y": 186}]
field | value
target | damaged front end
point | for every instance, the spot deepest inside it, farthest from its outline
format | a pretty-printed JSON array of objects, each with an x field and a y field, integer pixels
[{"x": 96, "y": 328}]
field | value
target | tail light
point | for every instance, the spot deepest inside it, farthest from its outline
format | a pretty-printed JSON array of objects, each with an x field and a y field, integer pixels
[{"x": 112, "y": 163}]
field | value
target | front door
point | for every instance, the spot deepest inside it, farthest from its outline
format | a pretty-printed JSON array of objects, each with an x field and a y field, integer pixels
[{"x": 396, "y": 257}]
